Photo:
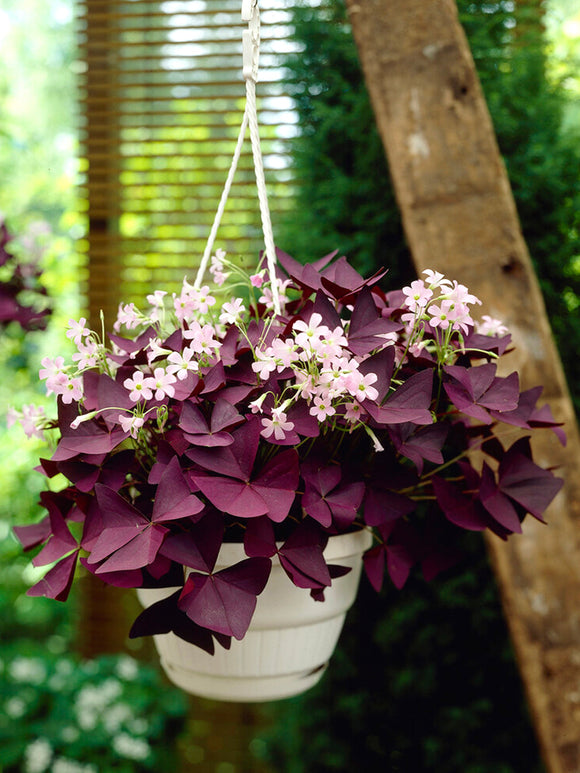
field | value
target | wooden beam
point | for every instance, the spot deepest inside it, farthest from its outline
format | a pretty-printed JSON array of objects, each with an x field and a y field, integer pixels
[{"x": 459, "y": 217}]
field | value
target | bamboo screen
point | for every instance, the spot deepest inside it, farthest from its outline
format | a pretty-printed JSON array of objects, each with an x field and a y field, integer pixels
[{"x": 162, "y": 97}]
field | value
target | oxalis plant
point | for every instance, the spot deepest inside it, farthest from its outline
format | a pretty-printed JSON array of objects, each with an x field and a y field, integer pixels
[{"x": 199, "y": 422}]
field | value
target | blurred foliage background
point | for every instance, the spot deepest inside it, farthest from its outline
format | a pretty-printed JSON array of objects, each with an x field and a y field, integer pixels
[{"x": 424, "y": 679}]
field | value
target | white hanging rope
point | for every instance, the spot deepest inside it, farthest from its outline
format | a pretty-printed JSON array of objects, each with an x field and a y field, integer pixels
[
  {"x": 251, "y": 50},
  {"x": 222, "y": 205}
]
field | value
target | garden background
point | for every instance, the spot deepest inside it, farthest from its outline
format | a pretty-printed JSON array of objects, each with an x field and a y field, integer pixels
[{"x": 437, "y": 689}]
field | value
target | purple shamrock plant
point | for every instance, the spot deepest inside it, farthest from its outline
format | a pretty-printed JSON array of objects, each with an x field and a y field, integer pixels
[
  {"x": 352, "y": 408},
  {"x": 22, "y": 297}
]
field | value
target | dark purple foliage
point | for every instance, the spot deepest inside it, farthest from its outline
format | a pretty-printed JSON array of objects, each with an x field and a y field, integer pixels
[
  {"x": 202, "y": 473},
  {"x": 24, "y": 278}
]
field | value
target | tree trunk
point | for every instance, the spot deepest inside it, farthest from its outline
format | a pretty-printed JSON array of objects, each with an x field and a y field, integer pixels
[{"x": 460, "y": 218}]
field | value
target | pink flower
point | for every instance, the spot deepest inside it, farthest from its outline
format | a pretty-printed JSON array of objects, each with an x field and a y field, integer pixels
[
  {"x": 322, "y": 408},
  {"x": 232, "y": 311},
  {"x": 217, "y": 268},
  {"x": 56, "y": 383},
  {"x": 306, "y": 383},
  {"x": 333, "y": 343},
  {"x": 256, "y": 405},
  {"x": 162, "y": 383},
  {"x": 128, "y": 316},
  {"x": 154, "y": 350},
  {"x": 460, "y": 294},
  {"x": 265, "y": 363},
  {"x": 418, "y": 295},
  {"x": 359, "y": 386},
  {"x": 436, "y": 278},
  {"x": 257, "y": 280},
  {"x": 353, "y": 412},
  {"x": 77, "y": 330},
  {"x": 183, "y": 363},
  {"x": 440, "y": 315},
  {"x": 268, "y": 299},
  {"x": 277, "y": 425},
  {"x": 202, "y": 300},
  {"x": 69, "y": 389},
  {"x": 219, "y": 277},
  {"x": 131, "y": 424},
  {"x": 283, "y": 352},
  {"x": 459, "y": 317},
  {"x": 86, "y": 357},
  {"x": 31, "y": 419},
  {"x": 489, "y": 326},
  {"x": 310, "y": 333},
  {"x": 51, "y": 367},
  {"x": 202, "y": 338},
  {"x": 156, "y": 298},
  {"x": 183, "y": 306},
  {"x": 139, "y": 386}
]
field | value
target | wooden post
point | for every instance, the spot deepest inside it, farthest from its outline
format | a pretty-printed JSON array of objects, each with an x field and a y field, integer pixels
[{"x": 459, "y": 217}]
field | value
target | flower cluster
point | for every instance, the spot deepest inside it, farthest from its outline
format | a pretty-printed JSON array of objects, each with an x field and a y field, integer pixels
[
  {"x": 62, "y": 715},
  {"x": 203, "y": 421}
]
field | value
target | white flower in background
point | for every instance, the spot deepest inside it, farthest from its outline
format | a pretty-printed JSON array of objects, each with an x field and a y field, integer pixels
[
  {"x": 116, "y": 716},
  {"x": 132, "y": 748},
  {"x": 93, "y": 701},
  {"x": 127, "y": 668},
  {"x": 62, "y": 765},
  {"x": 28, "y": 670},
  {"x": 69, "y": 734},
  {"x": 37, "y": 756},
  {"x": 15, "y": 708},
  {"x": 138, "y": 726}
]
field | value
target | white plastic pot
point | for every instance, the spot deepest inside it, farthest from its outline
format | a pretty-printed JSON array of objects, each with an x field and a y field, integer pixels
[{"x": 289, "y": 641}]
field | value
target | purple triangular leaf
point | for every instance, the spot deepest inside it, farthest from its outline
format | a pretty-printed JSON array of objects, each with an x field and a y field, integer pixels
[
  {"x": 527, "y": 484},
  {"x": 374, "y": 564},
  {"x": 497, "y": 504},
  {"x": 198, "y": 548},
  {"x": 409, "y": 403},
  {"x": 459, "y": 508},
  {"x": 34, "y": 534},
  {"x": 231, "y": 496},
  {"x": 382, "y": 364},
  {"x": 259, "y": 538},
  {"x": 137, "y": 553},
  {"x": 173, "y": 498},
  {"x": 164, "y": 617},
  {"x": 302, "y": 558},
  {"x": 382, "y": 506},
  {"x": 225, "y": 602},
  {"x": 60, "y": 543},
  {"x": 57, "y": 582}
]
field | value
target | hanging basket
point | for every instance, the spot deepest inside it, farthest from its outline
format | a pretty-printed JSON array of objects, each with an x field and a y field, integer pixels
[{"x": 290, "y": 639}]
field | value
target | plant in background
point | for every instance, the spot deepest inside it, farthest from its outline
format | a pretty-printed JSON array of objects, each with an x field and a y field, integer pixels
[
  {"x": 63, "y": 715},
  {"x": 347, "y": 408},
  {"x": 22, "y": 297}
]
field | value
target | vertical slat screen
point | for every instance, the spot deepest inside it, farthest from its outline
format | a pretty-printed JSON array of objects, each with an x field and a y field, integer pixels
[{"x": 161, "y": 101}]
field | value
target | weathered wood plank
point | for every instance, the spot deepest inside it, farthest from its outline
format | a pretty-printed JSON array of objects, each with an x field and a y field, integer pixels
[{"x": 459, "y": 217}]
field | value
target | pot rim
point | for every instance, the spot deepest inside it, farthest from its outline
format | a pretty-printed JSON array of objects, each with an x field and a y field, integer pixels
[{"x": 339, "y": 547}]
